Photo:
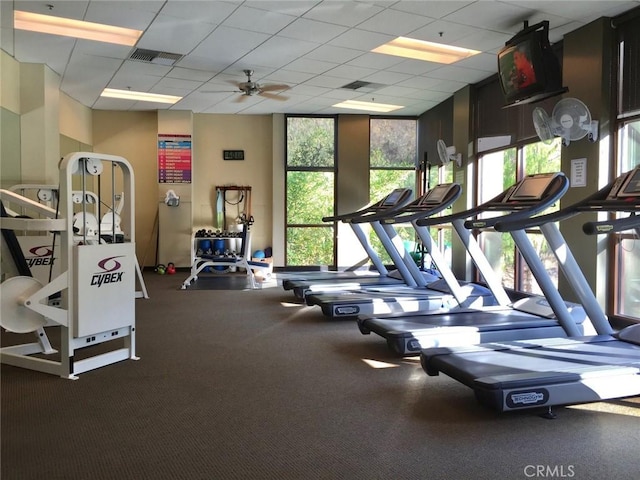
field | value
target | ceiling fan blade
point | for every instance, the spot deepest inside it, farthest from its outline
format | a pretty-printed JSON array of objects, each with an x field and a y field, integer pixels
[
  {"x": 241, "y": 98},
  {"x": 271, "y": 96},
  {"x": 220, "y": 91},
  {"x": 272, "y": 87}
]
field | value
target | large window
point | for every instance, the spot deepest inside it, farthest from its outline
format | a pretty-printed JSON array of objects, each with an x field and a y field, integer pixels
[
  {"x": 497, "y": 171},
  {"x": 310, "y": 189},
  {"x": 393, "y": 147},
  {"x": 626, "y": 244}
]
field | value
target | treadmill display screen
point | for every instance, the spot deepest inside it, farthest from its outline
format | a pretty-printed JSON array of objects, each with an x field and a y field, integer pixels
[
  {"x": 631, "y": 187},
  {"x": 393, "y": 197},
  {"x": 531, "y": 188},
  {"x": 437, "y": 194}
]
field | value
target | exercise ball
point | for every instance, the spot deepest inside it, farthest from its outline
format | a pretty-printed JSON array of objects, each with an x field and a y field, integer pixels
[{"x": 258, "y": 254}]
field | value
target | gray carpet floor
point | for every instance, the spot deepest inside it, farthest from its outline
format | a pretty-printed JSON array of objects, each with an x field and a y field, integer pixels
[{"x": 250, "y": 384}]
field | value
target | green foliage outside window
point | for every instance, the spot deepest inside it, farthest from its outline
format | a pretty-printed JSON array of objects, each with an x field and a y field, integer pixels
[
  {"x": 310, "y": 190},
  {"x": 309, "y": 196},
  {"x": 310, "y": 142},
  {"x": 392, "y": 160},
  {"x": 309, "y": 246}
]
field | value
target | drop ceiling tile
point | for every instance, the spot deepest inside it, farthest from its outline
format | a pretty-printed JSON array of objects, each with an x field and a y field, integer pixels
[
  {"x": 375, "y": 60},
  {"x": 342, "y": 12},
  {"x": 185, "y": 86},
  {"x": 328, "y": 81},
  {"x": 175, "y": 35},
  {"x": 394, "y": 22},
  {"x": 442, "y": 31},
  {"x": 483, "y": 61},
  {"x": 396, "y": 91},
  {"x": 440, "y": 85},
  {"x": 329, "y": 53},
  {"x": 278, "y": 52},
  {"x": 123, "y": 13},
  {"x": 28, "y": 49},
  {"x": 287, "y": 7},
  {"x": 484, "y": 40},
  {"x": 307, "y": 65},
  {"x": 198, "y": 10},
  {"x": 497, "y": 16},
  {"x": 453, "y": 72},
  {"x": 587, "y": 11},
  {"x": 75, "y": 10},
  {"x": 308, "y": 90},
  {"x": 142, "y": 68},
  {"x": 288, "y": 77},
  {"x": 227, "y": 45},
  {"x": 348, "y": 71},
  {"x": 361, "y": 40},
  {"x": 304, "y": 29},
  {"x": 132, "y": 81},
  {"x": 430, "y": 9},
  {"x": 387, "y": 77},
  {"x": 414, "y": 67},
  {"x": 190, "y": 74},
  {"x": 258, "y": 20},
  {"x": 101, "y": 49}
]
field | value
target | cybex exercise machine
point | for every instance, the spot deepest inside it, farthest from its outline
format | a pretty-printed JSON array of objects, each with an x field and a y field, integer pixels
[{"x": 95, "y": 289}]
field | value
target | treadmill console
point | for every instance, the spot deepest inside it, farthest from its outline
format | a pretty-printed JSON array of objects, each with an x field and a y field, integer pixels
[
  {"x": 394, "y": 197},
  {"x": 438, "y": 194},
  {"x": 532, "y": 188},
  {"x": 627, "y": 185}
]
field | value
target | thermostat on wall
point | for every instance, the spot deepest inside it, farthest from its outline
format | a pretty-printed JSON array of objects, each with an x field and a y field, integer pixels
[{"x": 233, "y": 154}]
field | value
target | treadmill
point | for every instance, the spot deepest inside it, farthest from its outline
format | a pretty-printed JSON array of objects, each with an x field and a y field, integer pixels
[
  {"x": 530, "y": 317},
  {"x": 518, "y": 375},
  {"x": 328, "y": 281},
  {"x": 441, "y": 294}
]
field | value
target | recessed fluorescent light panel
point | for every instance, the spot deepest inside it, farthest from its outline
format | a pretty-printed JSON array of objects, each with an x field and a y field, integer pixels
[
  {"x": 422, "y": 50},
  {"x": 67, "y": 27},
  {"x": 139, "y": 96},
  {"x": 369, "y": 106}
]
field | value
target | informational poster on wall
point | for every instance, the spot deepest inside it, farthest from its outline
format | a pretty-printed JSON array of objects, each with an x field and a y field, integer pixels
[
  {"x": 579, "y": 172},
  {"x": 174, "y": 158}
]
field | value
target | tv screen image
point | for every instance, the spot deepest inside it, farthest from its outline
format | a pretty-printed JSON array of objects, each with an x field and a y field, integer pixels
[
  {"x": 528, "y": 69},
  {"x": 517, "y": 71}
]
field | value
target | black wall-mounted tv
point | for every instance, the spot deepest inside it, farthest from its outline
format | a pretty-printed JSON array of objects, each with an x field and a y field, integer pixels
[{"x": 528, "y": 69}]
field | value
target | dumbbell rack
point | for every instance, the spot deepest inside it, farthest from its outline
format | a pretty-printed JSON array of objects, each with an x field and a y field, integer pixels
[{"x": 203, "y": 260}]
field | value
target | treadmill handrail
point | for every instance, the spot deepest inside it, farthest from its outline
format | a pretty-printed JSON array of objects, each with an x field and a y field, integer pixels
[
  {"x": 498, "y": 204},
  {"x": 372, "y": 208},
  {"x": 557, "y": 190},
  {"x": 596, "y": 202},
  {"x": 409, "y": 212},
  {"x": 612, "y": 226}
]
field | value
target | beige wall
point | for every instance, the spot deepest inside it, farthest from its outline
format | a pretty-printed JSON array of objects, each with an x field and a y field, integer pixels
[
  {"x": 76, "y": 120},
  {"x": 252, "y": 133},
  {"x": 133, "y": 135},
  {"x": 10, "y": 83}
]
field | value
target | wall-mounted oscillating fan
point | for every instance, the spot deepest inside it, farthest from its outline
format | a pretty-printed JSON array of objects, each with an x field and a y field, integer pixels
[
  {"x": 570, "y": 120},
  {"x": 447, "y": 154}
]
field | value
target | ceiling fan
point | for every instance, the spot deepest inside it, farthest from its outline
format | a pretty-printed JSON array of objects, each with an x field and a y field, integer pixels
[{"x": 251, "y": 88}]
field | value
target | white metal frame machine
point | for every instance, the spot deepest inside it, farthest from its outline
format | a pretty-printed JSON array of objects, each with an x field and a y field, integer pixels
[{"x": 96, "y": 283}]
